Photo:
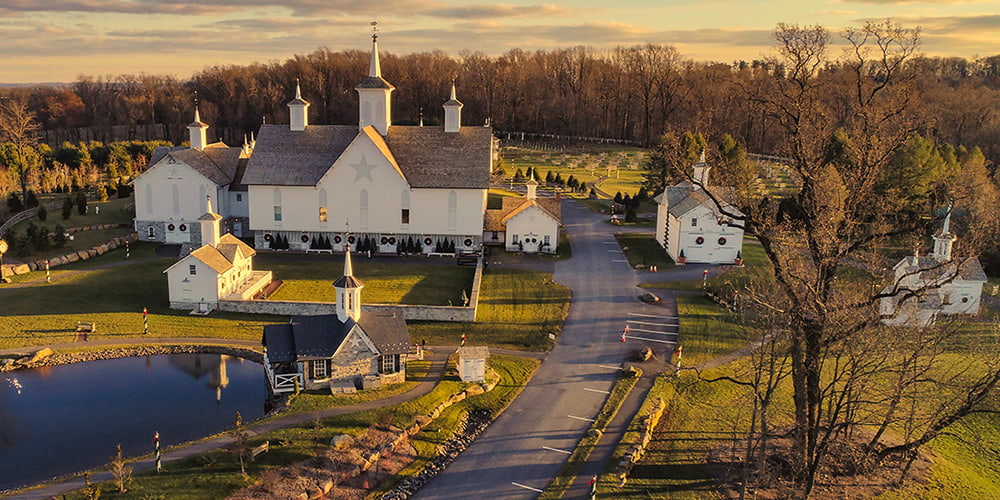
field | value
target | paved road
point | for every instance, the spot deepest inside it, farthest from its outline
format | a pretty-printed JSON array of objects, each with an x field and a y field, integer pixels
[{"x": 517, "y": 455}]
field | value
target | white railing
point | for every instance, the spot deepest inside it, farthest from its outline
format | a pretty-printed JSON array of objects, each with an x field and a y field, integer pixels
[{"x": 286, "y": 382}]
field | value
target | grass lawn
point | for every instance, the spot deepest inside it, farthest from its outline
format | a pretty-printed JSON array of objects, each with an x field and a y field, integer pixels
[
  {"x": 215, "y": 474},
  {"x": 641, "y": 249},
  {"x": 518, "y": 309},
  {"x": 709, "y": 330},
  {"x": 387, "y": 281},
  {"x": 586, "y": 162},
  {"x": 113, "y": 299}
]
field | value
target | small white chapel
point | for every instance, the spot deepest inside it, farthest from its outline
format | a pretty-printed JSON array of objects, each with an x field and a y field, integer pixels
[
  {"x": 924, "y": 288},
  {"x": 691, "y": 228}
]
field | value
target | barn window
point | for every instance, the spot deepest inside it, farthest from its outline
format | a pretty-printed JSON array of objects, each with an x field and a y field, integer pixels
[
  {"x": 389, "y": 363},
  {"x": 192, "y": 269}
]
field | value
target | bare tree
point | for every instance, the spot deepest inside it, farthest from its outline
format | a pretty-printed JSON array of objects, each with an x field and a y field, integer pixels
[
  {"x": 121, "y": 472},
  {"x": 19, "y": 128},
  {"x": 239, "y": 445}
]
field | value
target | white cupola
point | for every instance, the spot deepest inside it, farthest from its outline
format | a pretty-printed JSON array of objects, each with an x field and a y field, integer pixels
[
  {"x": 374, "y": 95},
  {"x": 532, "y": 185},
  {"x": 209, "y": 225},
  {"x": 944, "y": 240},
  {"x": 198, "y": 130},
  {"x": 298, "y": 110},
  {"x": 452, "y": 113},
  {"x": 348, "y": 290},
  {"x": 701, "y": 169}
]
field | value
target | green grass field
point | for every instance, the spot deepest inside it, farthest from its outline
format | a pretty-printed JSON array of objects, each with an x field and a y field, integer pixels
[
  {"x": 622, "y": 165},
  {"x": 641, "y": 249},
  {"x": 387, "y": 281},
  {"x": 518, "y": 309}
]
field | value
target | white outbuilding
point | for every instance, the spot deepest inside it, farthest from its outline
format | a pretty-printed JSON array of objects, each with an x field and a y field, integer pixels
[
  {"x": 530, "y": 224},
  {"x": 924, "y": 288},
  {"x": 691, "y": 228},
  {"x": 221, "y": 268},
  {"x": 471, "y": 363}
]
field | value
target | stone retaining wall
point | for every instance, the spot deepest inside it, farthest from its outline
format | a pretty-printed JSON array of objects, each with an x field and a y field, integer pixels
[
  {"x": 635, "y": 453},
  {"x": 115, "y": 353},
  {"x": 39, "y": 265}
]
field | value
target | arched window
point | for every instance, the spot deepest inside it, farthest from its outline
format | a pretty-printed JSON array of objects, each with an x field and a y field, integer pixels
[
  {"x": 452, "y": 210},
  {"x": 176, "y": 193},
  {"x": 322, "y": 205},
  {"x": 277, "y": 205},
  {"x": 149, "y": 199},
  {"x": 202, "y": 192},
  {"x": 404, "y": 203},
  {"x": 363, "y": 202}
]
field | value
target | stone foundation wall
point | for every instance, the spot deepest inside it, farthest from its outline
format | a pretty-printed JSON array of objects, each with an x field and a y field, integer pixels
[{"x": 159, "y": 230}]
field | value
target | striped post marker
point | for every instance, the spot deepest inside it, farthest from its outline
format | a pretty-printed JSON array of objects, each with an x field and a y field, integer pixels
[
  {"x": 625, "y": 332},
  {"x": 126, "y": 250},
  {"x": 48, "y": 277},
  {"x": 145, "y": 321},
  {"x": 156, "y": 444}
]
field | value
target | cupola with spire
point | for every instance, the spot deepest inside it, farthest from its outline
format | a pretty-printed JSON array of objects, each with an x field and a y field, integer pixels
[
  {"x": 374, "y": 93},
  {"x": 452, "y": 112},
  {"x": 701, "y": 169},
  {"x": 209, "y": 225},
  {"x": 298, "y": 110},
  {"x": 532, "y": 185},
  {"x": 197, "y": 129},
  {"x": 944, "y": 240},
  {"x": 348, "y": 290}
]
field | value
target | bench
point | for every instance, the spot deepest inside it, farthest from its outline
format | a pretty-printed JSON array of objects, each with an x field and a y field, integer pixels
[
  {"x": 264, "y": 448},
  {"x": 85, "y": 327}
]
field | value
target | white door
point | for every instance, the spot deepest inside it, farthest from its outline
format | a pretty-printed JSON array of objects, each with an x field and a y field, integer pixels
[
  {"x": 177, "y": 232},
  {"x": 531, "y": 243}
]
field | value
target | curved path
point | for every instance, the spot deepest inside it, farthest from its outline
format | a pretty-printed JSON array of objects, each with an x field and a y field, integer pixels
[{"x": 520, "y": 452}]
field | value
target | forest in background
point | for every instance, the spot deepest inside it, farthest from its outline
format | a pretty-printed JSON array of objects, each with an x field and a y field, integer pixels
[{"x": 633, "y": 93}]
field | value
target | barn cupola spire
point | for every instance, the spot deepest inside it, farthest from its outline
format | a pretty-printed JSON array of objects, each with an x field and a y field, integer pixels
[
  {"x": 375, "y": 93},
  {"x": 197, "y": 129},
  {"x": 452, "y": 112},
  {"x": 298, "y": 110}
]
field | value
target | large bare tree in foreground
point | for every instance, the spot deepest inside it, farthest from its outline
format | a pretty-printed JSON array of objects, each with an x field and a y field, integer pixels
[{"x": 843, "y": 122}]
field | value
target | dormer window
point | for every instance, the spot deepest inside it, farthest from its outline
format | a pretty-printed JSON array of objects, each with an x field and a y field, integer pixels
[{"x": 694, "y": 222}]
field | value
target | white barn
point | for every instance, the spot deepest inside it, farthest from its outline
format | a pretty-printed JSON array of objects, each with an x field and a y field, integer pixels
[
  {"x": 169, "y": 194},
  {"x": 311, "y": 184},
  {"x": 691, "y": 228},
  {"x": 530, "y": 224},
  {"x": 925, "y": 287}
]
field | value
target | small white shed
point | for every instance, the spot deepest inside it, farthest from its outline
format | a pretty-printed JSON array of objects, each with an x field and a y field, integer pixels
[{"x": 472, "y": 363}]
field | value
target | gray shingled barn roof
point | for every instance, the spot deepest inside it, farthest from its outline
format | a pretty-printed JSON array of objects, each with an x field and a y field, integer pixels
[
  {"x": 283, "y": 157},
  {"x": 428, "y": 157},
  {"x": 217, "y": 162}
]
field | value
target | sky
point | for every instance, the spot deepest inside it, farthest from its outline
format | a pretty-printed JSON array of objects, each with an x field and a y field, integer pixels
[{"x": 59, "y": 40}]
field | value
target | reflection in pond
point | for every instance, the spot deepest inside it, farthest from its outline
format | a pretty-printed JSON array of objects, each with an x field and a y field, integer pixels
[{"x": 69, "y": 418}]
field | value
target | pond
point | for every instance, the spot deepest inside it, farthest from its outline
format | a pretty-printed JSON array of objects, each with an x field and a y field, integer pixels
[{"x": 70, "y": 418}]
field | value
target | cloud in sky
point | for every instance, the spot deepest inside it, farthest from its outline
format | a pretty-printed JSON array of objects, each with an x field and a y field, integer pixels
[{"x": 48, "y": 40}]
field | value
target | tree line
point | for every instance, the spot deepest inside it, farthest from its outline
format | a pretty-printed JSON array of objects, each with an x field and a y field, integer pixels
[{"x": 629, "y": 92}]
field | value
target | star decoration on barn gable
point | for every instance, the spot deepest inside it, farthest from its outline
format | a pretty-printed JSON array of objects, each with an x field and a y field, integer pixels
[{"x": 363, "y": 169}]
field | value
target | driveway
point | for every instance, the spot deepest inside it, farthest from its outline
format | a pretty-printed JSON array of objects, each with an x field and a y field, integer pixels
[{"x": 520, "y": 452}]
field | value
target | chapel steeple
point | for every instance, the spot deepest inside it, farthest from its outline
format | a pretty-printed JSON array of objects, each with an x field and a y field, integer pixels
[
  {"x": 531, "y": 186},
  {"x": 198, "y": 130},
  {"x": 374, "y": 93},
  {"x": 348, "y": 290},
  {"x": 298, "y": 110},
  {"x": 701, "y": 169},
  {"x": 452, "y": 112}
]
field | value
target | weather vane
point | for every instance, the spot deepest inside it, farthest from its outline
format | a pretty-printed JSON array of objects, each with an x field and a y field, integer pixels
[{"x": 374, "y": 25}]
